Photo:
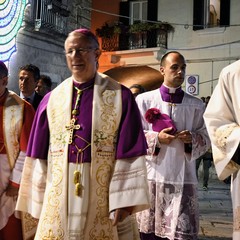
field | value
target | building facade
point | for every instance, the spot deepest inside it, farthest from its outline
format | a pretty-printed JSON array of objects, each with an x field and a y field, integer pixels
[
  {"x": 131, "y": 33},
  {"x": 206, "y": 32},
  {"x": 40, "y": 40}
]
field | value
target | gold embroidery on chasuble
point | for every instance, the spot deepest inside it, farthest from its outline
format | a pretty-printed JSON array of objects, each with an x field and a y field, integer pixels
[
  {"x": 30, "y": 223},
  {"x": 12, "y": 125},
  {"x": 106, "y": 121},
  {"x": 53, "y": 222},
  {"x": 221, "y": 137}
]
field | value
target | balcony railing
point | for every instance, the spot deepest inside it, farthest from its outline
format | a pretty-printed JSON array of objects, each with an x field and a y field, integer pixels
[
  {"x": 128, "y": 41},
  {"x": 50, "y": 15}
]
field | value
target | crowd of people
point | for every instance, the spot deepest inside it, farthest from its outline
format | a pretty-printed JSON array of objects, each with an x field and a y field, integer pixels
[{"x": 92, "y": 159}]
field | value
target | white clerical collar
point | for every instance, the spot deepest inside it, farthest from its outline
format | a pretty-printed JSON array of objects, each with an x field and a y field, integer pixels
[
  {"x": 76, "y": 82},
  {"x": 171, "y": 89}
]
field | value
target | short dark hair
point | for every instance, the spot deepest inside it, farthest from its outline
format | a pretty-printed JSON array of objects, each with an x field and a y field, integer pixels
[
  {"x": 3, "y": 70},
  {"x": 208, "y": 97},
  {"x": 47, "y": 80},
  {"x": 163, "y": 59},
  {"x": 32, "y": 68}
]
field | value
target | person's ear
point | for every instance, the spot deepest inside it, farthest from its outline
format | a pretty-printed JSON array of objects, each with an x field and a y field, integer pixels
[
  {"x": 162, "y": 70},
  {"x": 98, "y": 53}
]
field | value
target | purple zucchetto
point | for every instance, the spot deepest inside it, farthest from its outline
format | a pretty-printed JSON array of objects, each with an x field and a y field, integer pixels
[{"x": 86, "y": 32}]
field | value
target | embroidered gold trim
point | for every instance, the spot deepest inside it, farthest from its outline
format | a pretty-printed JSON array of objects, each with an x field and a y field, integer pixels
[
  {"x": 222, "y": 134},
  {"x": 12, "y": 125}
]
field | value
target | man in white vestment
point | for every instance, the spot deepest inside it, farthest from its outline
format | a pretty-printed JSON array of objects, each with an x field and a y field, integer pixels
[
  {"x": 222, "y": 118},
  {"x": 176, "y": 135},
  {"x": 16, "y": 117},
  {"x": 85, "y": 176}
]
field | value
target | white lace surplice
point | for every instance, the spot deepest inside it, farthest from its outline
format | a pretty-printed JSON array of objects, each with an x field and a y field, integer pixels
[{"x": 171, "y": 172}]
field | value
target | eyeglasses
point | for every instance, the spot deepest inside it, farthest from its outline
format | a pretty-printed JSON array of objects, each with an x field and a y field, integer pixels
[{"x": 80, "y": 51}]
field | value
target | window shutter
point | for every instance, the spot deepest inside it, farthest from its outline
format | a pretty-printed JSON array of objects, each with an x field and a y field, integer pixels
[
  {"x": 124, "y": 11},
  {"x": 225, "y": 13},
  {"x": 198, "y": 14},
  {"x": 152, "y": 15},
  {"x": 152, "y": 10}
]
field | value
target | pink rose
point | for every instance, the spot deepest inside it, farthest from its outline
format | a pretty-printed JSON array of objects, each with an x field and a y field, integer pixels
[
  {"x": 152, "y": 115},
  {"x": 159, "y": 120}
]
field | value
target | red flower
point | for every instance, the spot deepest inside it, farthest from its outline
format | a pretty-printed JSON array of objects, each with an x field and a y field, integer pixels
[{"x": 152, "y": 115}]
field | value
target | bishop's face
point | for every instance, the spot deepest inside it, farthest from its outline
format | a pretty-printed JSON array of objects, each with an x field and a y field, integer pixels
[{"x": 82, "y": 57}]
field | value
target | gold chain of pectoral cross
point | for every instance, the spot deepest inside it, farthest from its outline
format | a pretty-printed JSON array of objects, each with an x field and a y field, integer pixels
[
  {"x": 72, "y": 126},
  {"x": 77, "y": 178}
]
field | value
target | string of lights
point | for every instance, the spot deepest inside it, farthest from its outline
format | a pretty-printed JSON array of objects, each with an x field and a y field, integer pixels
[{"x": 11, "y": 19}]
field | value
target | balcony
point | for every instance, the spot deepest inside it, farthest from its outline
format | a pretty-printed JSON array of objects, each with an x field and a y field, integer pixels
[
  {"x": 139, "y": 35},
  {"x": 49, "y": 15}
]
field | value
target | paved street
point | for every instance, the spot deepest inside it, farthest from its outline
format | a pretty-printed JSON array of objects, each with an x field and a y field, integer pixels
[{"x": 215, "y": 210}]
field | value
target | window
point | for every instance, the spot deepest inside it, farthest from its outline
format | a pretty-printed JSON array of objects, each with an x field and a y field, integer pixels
[
  {"x": 50, "y": 14},
  {"x": 214, "y": 13},
  {"x": 211, "y": 13},
  {"x": 138, "y": 11}
]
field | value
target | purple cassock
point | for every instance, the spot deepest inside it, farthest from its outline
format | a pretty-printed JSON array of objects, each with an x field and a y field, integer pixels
[
  {"x": 175, "y": 97},
  {"x": 131, "y": 140}
]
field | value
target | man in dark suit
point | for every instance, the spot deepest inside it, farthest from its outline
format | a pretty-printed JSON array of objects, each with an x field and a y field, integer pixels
[
  {"x": 28, "y": 77},
  {"x": 44, "y": 85}
]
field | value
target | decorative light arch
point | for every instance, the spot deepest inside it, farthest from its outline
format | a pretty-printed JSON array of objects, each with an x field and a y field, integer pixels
[{"x": 11, "y": 18}]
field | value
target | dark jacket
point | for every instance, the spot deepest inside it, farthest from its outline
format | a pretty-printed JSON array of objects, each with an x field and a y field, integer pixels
[{"x": 36, "y": 100}]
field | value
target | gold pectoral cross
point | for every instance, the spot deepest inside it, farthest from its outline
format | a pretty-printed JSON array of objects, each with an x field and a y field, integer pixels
[{"x": 71, "y": 128}]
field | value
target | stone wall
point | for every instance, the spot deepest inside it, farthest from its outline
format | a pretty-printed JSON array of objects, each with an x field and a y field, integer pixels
[{"x": 45, "y": 48}]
